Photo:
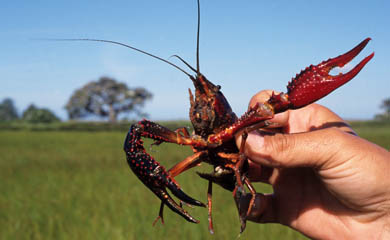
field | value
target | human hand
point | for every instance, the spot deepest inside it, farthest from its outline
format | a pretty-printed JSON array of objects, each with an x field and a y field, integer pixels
[{"x": 328, "y": 183}]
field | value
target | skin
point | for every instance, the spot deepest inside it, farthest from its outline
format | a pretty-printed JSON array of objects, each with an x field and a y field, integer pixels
[{"x": 328, "y": 183}]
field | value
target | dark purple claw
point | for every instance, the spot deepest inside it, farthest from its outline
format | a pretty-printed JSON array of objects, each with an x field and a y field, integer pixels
[{"x": 153, "y": 175}]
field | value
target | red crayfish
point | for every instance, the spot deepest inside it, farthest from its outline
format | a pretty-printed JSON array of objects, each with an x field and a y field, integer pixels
[{"x": 215, "y": 127}]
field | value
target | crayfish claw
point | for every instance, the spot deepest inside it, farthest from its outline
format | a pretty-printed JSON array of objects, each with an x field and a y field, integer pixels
[
  {"x": 167, "y": 200},
  {"x": 345, "y": 58},
  {"x": 343, "y": 78},
  {"x": 315, "y": 82},
  {"x": 154, "y": 176},
  {"x": 181, "y": 195}
]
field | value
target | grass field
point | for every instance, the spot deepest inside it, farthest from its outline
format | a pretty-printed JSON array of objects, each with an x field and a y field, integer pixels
[{"x": 77, "y": 185}]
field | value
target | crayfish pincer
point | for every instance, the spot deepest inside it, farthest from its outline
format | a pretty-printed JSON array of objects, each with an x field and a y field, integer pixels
[
  {"x": 215, "y": 127},
  {"x": 151, "y": 173}
]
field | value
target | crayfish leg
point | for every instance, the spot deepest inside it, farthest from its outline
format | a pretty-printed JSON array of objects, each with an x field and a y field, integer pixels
[
  {"x": 209, "y": 206},
  {"x": 187, "y": 163},
  {"x": 239, "y": 191},
  {"x": 253, "y": 192},
  {"x": 160, "y": 214},
  {"x": 160, "y": 133}
]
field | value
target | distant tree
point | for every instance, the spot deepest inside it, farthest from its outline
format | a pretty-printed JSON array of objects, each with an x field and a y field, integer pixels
[
  {"x": 106, "y": 98},
  {"x": 34, "y": 114},
  {"x": 8, "y": 110},
  {"x": 386, "y": 107}
]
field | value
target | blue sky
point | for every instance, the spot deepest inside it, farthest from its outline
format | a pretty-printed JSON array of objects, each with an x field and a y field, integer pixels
[{"x": 245, "y": 46}]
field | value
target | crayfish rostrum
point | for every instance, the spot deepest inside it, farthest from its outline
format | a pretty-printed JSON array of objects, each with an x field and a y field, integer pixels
[{"x": 215, "y": 127}]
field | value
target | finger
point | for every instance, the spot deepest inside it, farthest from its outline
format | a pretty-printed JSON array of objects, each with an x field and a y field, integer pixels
[
  {"x": 311, "y": 149},
  {"x": 259, "y": 173},
  {"x": 311, "y": 117},
  {"x": 263, "y": 210},
  {"x": 314, "y": 117},
  {"x": 260, "y": 97}
]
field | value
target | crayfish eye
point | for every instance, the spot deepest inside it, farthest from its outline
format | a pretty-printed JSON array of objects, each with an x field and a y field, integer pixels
[{"x": 198, "y": 117}]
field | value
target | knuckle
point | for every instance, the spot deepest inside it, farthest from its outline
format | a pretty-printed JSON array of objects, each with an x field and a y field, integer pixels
[
  {"x": 261, "y": 97},
  {"x": 281, "y": 143},
  {"x": 279, "y": 148},
  {"x": 335, "y": 132}
]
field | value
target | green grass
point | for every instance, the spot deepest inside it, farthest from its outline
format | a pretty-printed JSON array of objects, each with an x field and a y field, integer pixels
[
  {"x": 377, "y": 132},
  {"x": 77, "y": 185}
]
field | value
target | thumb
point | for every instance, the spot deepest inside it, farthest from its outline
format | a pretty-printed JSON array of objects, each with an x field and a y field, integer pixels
[{"x": 309, "y": 149}]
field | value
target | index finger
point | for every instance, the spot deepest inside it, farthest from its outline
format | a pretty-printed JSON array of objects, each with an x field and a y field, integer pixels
[{"x": 308, "y": 118}]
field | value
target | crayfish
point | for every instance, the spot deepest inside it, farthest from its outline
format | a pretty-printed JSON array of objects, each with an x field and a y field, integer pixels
[{"x": 215, "y": 127}]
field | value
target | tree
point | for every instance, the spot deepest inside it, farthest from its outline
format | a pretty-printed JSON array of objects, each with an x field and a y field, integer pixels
[
  {"x": 386, "y": 107},
  {"x": 8, "y": 111},
  {"x": 39, "y": 115},
  {"x": 106, "y": 98}
]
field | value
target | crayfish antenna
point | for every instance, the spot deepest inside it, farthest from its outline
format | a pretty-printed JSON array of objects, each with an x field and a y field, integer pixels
[
  {"x": 197, "y": 42},
  {"x": 124, "y": 45},
  {"x": 186, "y": 63}
]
